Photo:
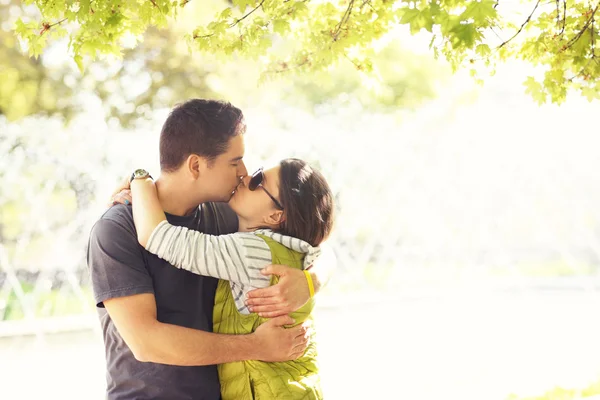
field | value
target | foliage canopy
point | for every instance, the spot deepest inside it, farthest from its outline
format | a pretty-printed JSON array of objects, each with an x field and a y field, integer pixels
[{"x": 303, "y": 35}]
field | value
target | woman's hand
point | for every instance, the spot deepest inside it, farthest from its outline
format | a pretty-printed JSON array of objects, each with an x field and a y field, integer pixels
[{"x": 122, "y": 194}]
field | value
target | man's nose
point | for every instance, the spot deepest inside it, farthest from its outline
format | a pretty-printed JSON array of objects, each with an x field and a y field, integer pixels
[{"x": 242, "y": 171}]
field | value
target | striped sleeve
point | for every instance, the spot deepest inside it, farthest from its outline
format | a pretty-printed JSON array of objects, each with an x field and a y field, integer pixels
[
  {"x": 258, "y": 256},
  {"x": 236, "y": 257}
]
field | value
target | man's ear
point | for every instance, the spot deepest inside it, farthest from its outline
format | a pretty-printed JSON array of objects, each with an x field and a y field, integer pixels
[
  {"x": 196, "y": 165},
  {"x": 275, "y": 218}
]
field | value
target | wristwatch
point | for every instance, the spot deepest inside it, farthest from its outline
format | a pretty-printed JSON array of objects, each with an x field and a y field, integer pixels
[{"x": 140, "y": 174}]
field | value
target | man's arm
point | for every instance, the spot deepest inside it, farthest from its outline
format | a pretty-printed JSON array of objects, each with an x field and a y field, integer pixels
[
  {"x": 123, "y": 285},
  {"x": 291, "y": 292},
  {"x": 154, "y": 341}
]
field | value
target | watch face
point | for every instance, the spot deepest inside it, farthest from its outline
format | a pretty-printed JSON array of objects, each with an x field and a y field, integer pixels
[{"x": 140, "y": 173}]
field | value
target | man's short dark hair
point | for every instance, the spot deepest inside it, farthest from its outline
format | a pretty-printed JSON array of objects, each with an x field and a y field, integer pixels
[{"x": 198, "y": 126}]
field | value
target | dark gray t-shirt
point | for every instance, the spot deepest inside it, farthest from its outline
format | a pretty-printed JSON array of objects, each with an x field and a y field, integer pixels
[{"x": 120, "y": 266}]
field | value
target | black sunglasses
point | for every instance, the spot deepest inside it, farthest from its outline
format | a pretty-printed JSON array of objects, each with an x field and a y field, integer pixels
[{"x": 256, "y": 181}]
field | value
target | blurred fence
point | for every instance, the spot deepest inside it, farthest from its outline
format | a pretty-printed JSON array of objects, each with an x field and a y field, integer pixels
[{"x": 498, "y": 193}]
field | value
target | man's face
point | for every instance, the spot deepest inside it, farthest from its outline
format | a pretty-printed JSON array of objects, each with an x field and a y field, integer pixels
[{"x": 223, "y": 177}]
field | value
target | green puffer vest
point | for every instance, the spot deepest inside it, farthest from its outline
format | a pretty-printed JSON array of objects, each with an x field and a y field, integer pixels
[{"x": 242, "y": 380}]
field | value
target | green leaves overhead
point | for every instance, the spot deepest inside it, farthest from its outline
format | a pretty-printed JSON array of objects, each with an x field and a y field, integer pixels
[{"x": 302, "y": 35}]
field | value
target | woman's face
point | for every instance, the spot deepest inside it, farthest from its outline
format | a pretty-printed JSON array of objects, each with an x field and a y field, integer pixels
[{"x": 256, "y": 206}]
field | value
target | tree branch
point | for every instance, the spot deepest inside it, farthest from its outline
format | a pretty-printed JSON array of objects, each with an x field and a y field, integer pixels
[
  {"x": 286, "y": 67},
  {"x": 46, "y": 26},
  {"x": 593, "y": 40},
  {"x": 366, "y": 2},
  {"x": 564, "y": 17},
  {"x": 344, "y": 20},
  {"x": 233, "y": 23},
  {"x": 522, "y": 26},
  {"x": 495, "y": 33},
  {"x": 582, "y": 72},
  {"x": 358, "y": 67},
  {"x": 582, "y": 31},
  {"x": 247, "y": 15},
  {"x": 592, "y": 58}
]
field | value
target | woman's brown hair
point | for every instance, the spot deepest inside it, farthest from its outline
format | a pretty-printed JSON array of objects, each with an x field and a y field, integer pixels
[{"x": 307, "y": 201}]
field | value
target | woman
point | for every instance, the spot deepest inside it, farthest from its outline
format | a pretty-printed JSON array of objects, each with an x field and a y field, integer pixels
[{"x": 284, "y": 213}]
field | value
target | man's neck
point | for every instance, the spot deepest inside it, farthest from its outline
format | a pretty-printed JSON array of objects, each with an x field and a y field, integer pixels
[{"x": 173, "y": 197}]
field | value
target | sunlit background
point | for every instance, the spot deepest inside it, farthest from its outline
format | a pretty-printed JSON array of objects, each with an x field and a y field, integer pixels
[{"x": 467, "y": 235}]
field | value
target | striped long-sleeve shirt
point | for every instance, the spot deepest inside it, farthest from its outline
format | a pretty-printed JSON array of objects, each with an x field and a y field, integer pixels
[{"x": 237, "y": 257}]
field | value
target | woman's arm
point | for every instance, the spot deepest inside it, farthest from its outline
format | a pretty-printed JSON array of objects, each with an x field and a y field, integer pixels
[
  {"x": 147, "y": 211},
  {"x": 237, "y": 257}
]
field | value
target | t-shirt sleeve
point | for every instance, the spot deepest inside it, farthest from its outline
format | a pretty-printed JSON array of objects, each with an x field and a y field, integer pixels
[
  {"x": 116, "y": 262},
  {"x": 236, "y": 257}
]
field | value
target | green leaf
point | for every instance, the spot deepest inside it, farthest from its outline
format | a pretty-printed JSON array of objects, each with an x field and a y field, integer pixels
[
  {"x": 269, "y": 6},
  {"x": 590, "y": 93},
  {"x": 483, "y": 50},
  {"x": 88, "y": 48},
  {"x": 432, "y": 41},
  {"x": 417, "y": 19},
  {"x": 221, "y": 27},
  {"x": 535, "y": 90},
  {"x": 281, "y": 26},
  {"x": 20, "y": 27},
  {"x": 115, "y": 20},
  {"x": 409, "y": 14},
  {"x": 445, "y": 21},
  {"x": 555, "y": 75},
  {"x": 226, "y": 13},
  {"x": 79, "y": 61},
  {"x": 465, "y": 35},
  {"x": 242, "y": 4},
  {"x": 481, "y": 11},
  {"x": 299, "y": 9},
  {"x": 583, "y": 43}
]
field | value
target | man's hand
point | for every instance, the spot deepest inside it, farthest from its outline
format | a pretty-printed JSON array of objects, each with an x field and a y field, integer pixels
[
  {"x": 277, "y": 343},
  {"x": 288, "y": 295}
]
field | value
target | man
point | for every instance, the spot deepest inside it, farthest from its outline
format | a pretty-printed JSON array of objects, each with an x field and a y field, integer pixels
[{"x": 157, "y": 319}]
